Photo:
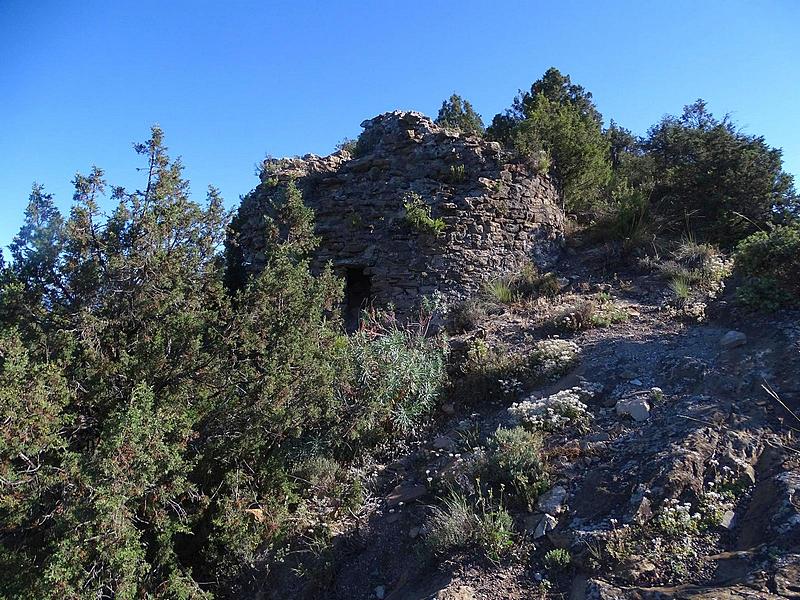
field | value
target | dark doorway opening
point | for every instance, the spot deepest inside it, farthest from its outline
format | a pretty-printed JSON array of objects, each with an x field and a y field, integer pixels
[{"x": 357, "y": 295}]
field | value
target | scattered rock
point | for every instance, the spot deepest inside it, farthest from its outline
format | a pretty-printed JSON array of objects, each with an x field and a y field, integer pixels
[
  {"x": 688, "y": 369},
  {"x": 546, "y": 523},
  {"x": 462, "y": 592},
  {"x": 636, "y": 382},
  {"x": 443, "y": 442},
  {"x": 733, "y": 339},
  {"x": 414, "y": 532},
  {"x": 380, "y": 592},
  {"x": 405, "y": 493},
  {"x": 641, "y": 510},
  {"x": 552, "y": 502},
  {"x": 636, "y": 568},
  {"x": 727, "y": 519},
  {"x": 637, "y": 408}
]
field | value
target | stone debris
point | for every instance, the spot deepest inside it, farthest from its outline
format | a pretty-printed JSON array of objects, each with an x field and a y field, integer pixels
[
  {"x": 733, "y": 339},
  {"x": 546, "y": 523},
  {"x": 552, "y": 501},
  {"x": 636, "y": 407},
  {"x": 443, "y": 442},
  {"x": 405, "y": 493}
]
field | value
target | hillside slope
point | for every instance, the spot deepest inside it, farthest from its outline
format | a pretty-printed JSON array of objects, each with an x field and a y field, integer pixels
[{"x": 683, "y": 483}]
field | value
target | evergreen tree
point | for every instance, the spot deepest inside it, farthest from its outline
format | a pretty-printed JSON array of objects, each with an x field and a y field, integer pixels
[
  {"x": 715, "y": 180},
  {"x": 457, "y": 113},
  {"x": 558, "y": 118}
]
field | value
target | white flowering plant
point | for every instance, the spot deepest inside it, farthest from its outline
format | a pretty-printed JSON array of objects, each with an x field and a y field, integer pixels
[{"x": 559, "y": 410}]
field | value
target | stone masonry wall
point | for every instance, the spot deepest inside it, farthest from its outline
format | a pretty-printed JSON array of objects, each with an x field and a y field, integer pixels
[{"x": 498, "y": 214}]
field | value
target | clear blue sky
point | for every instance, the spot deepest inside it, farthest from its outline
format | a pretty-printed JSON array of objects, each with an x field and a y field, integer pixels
[{"x": 233, "y": 81}]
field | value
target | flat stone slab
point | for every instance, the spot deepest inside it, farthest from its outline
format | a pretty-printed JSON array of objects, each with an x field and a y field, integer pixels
[
  {"x": 733, "y": 339},
  {"x": 405, "y": 493}
]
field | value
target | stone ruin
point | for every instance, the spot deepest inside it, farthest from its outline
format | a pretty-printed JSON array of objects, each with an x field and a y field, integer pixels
[{"x": 498, "y": 213}]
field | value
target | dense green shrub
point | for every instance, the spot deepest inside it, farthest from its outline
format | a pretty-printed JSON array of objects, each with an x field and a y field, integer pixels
[
  {"x": 525, "y": 284},
  {"x": 559, "y": 120},
  {"x": 457, "y": 113},
  {"x": 626, "y": 217},
  {"x": 160, "y": 431},
  {"x": 557, "y": 559},
  {"x": 397, "y": 375},
  {"x": 515, "y": 460},
  {"x": 724, "y": 183},
  {"x": 770, "y": 261},
  {"x": 418, "y": 216},
  {"x": 488, "y": 372},
  {"x": 462, "y": 523}
]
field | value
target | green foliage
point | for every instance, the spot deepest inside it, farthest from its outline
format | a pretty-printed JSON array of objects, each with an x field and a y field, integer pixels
[
  {"x": 770, "y": 262},
  {"x": 530, "y": 282},
  {"x": 764, "y": 294},
  {"x": 496, "y": 531},
  {"x": 364, "y": 145},
  {"x": 558, "y": 118},
  {"x": 526, "y": 283},
  {"x": 724, "y": 183},
  {"x": 457, "y": 173},
  {"x": 125, "y": 314},
  {"x": 288, "y": 229},
  {"x": 516, "y": 462},
  {"x": 557, "y": 559},
  {"x": 462, "y": 524},
  {"x": 626, "y": 217},
  {"x": 600, "y": 311},
  {"x": 681, "y": 288},
  {"x": 502, "y": 291},
  {"x": 160, "y": 430},
  {"x": 452, "y": 525},
  {"x": 347, "y": 145},
  {"x": 484, "y": 369},
  {"x": 631, "y": 165},
  {"x": 398, "y": 373},
  {"x": 576, "y": 144},
  {"x": 457, "y": 113},
  {"x": 418, "y": 216}
]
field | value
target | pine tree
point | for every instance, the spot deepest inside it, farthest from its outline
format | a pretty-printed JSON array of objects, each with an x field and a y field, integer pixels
[{"x": 457, "y": 113}]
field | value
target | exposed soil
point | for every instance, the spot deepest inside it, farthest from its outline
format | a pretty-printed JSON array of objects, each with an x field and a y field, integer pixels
[{"x": 714, "y": 419}]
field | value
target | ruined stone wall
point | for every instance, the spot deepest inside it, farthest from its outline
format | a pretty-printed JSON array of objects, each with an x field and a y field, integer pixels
[{"x": 498, "y": 214}]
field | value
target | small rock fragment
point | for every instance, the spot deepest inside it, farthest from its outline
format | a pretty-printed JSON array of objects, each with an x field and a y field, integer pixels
[
  {"x": 551, "y": 502},
  {"x": 380, "y": 592},
  {"x": 405, "y": 493},
  {"x": 727, "y": 519},
  {"x": 443, "y": 442},
  {"x": 637, "y": 408},
  {"x": 546, "y": 523},
  {"x": 733, "y": 339}
]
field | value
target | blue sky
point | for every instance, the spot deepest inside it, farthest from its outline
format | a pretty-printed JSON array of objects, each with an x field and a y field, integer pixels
[{"x": 233, "y": 81}]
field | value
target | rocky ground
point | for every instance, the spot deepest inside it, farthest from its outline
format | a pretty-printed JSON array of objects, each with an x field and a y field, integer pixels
[{"x": 683, "y": 426}]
